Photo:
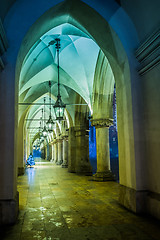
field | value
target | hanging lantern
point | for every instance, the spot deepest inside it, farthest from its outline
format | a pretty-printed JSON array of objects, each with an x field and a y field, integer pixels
[
  {"x": 59, "y": 106},
  {"x": 50, "y": 124},
  {"x": 44, "y": 132}
]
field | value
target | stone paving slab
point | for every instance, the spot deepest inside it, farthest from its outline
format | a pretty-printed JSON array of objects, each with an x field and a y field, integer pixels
[{"x": 55, "y": 204}]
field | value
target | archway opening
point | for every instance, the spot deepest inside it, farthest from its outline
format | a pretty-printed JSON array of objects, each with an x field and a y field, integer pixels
[{"x": 114, "y": 54}]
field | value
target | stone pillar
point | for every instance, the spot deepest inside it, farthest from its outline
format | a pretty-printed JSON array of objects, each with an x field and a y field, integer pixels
[
  {"x": 60, "y": 160},
  {"x": 71, "y": 150},
  {"x": 43, "y": 152},
  {"x": 65, "y": 152},
  {"x": 55, "y": 151},
  {"x": 82, "y": 152},
  {"x": 52, "y": 146},
  {"x": 21, "y": 146},
  {"x": 46, "y": 152},
  {"x": 102, "y": 145},
  {"x": 49, "y": 157},
  {"x": 9, "y": 198}
]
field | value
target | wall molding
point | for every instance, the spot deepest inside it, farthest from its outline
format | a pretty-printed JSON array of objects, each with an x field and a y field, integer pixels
[{"x": 148, "y": 54}]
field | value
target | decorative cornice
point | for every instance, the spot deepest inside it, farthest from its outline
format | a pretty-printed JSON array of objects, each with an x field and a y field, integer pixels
[
  {"x": 148, "y": 54},
  {"x": 100, "y": 123}
]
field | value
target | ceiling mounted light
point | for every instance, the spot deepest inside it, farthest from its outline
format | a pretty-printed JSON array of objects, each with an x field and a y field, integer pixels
[{"x": 59, "y": 106}]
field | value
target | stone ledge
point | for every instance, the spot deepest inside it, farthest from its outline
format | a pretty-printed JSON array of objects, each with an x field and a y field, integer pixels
[
  {"x": 132, "y": 199},
  {"x": 9, "y": 210}
]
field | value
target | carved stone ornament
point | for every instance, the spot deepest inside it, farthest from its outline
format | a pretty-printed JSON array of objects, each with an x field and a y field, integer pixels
[{"x": 100, "y": 123}]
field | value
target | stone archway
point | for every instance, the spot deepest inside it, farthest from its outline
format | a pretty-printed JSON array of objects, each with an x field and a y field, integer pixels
[
  {"x": 123, "y": 66},
  {"x": 127, "y": 109}
]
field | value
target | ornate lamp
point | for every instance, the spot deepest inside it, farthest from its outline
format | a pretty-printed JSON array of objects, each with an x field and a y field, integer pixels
[
  {"x": 44, "y": 131},
  {"x": 41, "y": 138},
  {"x": 59, "y": 106},
  {"x": 50, "y": 122}
]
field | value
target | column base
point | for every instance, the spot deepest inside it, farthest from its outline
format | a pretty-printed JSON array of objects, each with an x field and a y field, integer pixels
[
  {"x": 9, "y": 210},
  {"x": 132, "y": 199},
  {"x": 103, "y": 176},
  {"x": 21, "y": 171},
  {"x": 84, "y": 169},
  {"x": 71, "y": 169},
  {"x": 59, "y": 162},
  {"x": 64, "y": 165}
]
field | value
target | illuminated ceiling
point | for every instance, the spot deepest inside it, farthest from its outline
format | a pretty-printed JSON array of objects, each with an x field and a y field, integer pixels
[{"x": 78, "y": 57}]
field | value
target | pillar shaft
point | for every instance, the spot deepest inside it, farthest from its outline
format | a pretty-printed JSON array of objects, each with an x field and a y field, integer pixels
[
  {"x": 71, "y": 150},
  {"x": 8, "y": 147},
  {"x": 49, "y": 152},
  {"x": 21, "y": 146},
  {"x": 60, "y": 160},
  {"x": 102, "y": 145},
  {"x": 52, "y": 146},
  {"x": 82, "y": 152},
  {"x": 103, "y": 154},
  {"x": 46, "y": 152},
  {"x": 55, "y": 152},
  {"x": 65, "y": 153}
]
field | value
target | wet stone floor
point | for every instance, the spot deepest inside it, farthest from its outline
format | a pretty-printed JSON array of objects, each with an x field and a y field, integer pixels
[{"x": 55, "y": 204}]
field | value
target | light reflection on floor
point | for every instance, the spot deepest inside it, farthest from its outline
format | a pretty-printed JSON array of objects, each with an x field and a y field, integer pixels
[
  {"x": 55, "y": 204},
  {"x": 31, "y": 173}
]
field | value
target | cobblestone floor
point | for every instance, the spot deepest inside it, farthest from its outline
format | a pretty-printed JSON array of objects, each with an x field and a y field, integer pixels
[{"x": 55, "y": 204}]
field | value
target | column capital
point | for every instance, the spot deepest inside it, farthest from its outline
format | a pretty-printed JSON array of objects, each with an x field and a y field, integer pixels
[{"x": 102, "y": 122}]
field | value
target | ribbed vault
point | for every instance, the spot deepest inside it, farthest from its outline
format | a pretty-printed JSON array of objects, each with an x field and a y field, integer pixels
[{"x": 79, "y": 57}]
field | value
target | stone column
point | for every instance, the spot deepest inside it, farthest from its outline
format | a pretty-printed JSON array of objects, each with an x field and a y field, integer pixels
[
  {"x": 60, "y": 160},
  {"x": 71, "y": 150},
  {"x": 55, "y": 151},
  {"x": 46, "y": 152},
  {"x": 52, "y": 158},
  {"x": 65, "y": 152},
  {"x": 49, "y": 157},
  {"x": 102, "y": 145},
  {"x": 21, "y": 146},
  {"x": 82, "y": 152}
]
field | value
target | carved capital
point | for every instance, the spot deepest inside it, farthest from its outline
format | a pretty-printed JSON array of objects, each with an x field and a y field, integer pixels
[{"x": 101, "y": 123}]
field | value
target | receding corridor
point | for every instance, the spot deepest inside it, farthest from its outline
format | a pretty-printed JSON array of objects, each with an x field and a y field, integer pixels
[{"x": 55, "y": 204}]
